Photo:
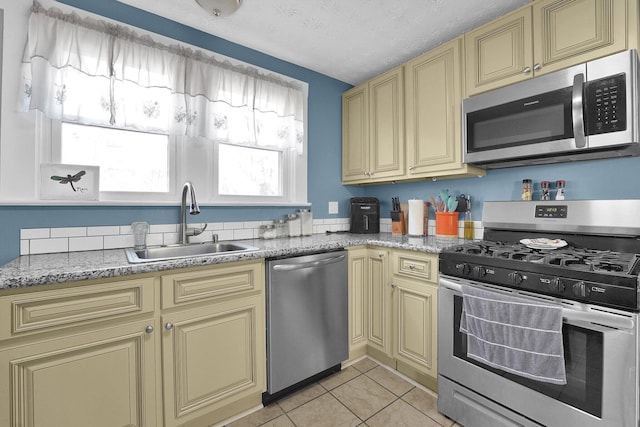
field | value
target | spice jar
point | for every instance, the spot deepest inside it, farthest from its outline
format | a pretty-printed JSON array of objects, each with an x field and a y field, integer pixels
[
  {"x": 293, "y": 225},
  {"x": 544, "y": 190},
  {"x": 560, "y": 184},
  {"x": 306, "y": 221},
  {"x": 526, "y": 189}
]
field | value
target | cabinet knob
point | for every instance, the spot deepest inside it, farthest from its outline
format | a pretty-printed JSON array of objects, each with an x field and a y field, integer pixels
[
  {"x": 411, "y": 168},
  {"x": 393, "y": 286},
  {"x": 412, "y": 267},
  {"x": 380, "y": 254},
  {"x": 168, "y": 326},
  {"x": 148, "y": 329},
  {"x": 537, "y": 67},
  {"x": 526, "y": 70}
]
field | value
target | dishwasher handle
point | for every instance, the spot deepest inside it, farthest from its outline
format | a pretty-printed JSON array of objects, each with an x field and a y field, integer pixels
[{"x": 318, "y": 263}]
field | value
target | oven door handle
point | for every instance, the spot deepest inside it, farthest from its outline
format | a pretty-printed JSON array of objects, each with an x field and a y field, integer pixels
[{"x": 584, "y": 314}]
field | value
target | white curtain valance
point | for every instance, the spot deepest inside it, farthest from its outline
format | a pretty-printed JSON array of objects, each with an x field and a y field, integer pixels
[{"x": 93, "y": 72}]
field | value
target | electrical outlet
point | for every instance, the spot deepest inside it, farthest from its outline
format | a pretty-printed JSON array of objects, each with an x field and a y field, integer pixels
[{"x": 333, "y": 207}]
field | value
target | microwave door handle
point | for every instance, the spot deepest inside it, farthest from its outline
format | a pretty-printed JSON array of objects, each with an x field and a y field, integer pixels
[{"x": 577, "y": 111}]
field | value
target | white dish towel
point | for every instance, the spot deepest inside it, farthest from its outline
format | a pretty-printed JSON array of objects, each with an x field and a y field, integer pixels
[{"x": 514, "y": 334}]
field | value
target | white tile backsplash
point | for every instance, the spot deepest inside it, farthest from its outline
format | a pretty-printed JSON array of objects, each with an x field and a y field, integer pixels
[
  {"x": 69, "y": 232},
  {"x": 72, "y": 239},
  {"x": 91, "y": 243},
  {"x": 48, "y": 246}
]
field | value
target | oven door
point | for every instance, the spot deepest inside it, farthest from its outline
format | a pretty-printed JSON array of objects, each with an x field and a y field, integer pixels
[{"x": 600, "y": 348}]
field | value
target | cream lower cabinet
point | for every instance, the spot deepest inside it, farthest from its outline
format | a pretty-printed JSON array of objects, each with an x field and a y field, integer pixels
[
  {"x": 213, "y": 343},
  {"x": 415, "y": 295},
  {"x": 393, "y": 308},
  {"x": 173, "y": 349},
  {"x": 81, "y": 356}
]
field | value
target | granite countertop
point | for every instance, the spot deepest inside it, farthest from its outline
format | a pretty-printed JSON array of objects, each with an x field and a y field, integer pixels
[{"x": 33, "y": 270}]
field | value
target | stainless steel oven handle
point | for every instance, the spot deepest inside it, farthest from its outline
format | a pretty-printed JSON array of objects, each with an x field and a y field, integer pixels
[
  {"x": 577, "y": 111},
  {"x": 585, "y": 314}
]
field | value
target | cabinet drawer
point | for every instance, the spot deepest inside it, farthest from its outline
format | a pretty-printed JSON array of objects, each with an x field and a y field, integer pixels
[
  {"x": 415, "y": 265},
  {"x": 223, "y": 280},
  {"x": 40, "y": 311}
]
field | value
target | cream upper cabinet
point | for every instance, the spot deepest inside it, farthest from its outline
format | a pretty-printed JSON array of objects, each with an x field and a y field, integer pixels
[
  {"x": 373, "y": 130},
  {"x": 547, "y": 36},
  {"x": 499, "y": 53},
  {"x": 433, "y": 96}
]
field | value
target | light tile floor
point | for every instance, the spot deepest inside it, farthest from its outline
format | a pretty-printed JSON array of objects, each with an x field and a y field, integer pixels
[{"x": 364, "y": 394}]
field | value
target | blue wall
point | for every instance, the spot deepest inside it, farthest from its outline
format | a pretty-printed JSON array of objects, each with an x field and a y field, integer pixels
[
  {"x": 604, "y": 179},
  {"x": 597, "y": 179}
]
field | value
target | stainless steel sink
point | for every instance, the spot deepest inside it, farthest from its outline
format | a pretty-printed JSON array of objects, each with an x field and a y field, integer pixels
[{"x": 159, "y": 253}]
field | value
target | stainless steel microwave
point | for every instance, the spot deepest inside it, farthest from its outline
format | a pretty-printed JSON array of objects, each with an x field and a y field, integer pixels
[{"x": 588, "y": 111}]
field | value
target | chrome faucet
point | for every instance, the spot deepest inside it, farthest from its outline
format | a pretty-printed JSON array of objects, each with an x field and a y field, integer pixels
[{"x": 193, "y": 210}]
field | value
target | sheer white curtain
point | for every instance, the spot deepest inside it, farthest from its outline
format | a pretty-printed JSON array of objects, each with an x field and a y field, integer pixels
[{"x": 93, "y": 72}]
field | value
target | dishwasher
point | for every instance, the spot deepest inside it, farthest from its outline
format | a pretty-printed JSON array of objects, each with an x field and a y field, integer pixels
[{"x": 307, "y": 320}]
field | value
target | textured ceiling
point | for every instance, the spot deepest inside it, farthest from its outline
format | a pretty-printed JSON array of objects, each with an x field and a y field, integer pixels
[{"x": 350, "y": 40}]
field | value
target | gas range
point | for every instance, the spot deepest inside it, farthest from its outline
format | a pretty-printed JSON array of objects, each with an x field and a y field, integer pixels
[{"x": 593, "y": 267}]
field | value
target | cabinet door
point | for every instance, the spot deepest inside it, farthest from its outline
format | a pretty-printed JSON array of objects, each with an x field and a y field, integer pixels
[
  {"x": 355, "y": 134},
  {"x": 104, "y": 378},
  {"x": 415, "y": 328},
  {"x": 357, "y": 309},
  {"x": 434, "y": 141},
  {"x": 378, "y": 301},
  {"x": 386, "y": 125},
  {"x": 213, "y": 356},
  {"x": 571, "y": 32},
  {"x": 499, "y": 53}
]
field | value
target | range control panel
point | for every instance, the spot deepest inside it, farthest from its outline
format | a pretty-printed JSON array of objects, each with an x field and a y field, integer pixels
[{"x": 551, "y": 211}]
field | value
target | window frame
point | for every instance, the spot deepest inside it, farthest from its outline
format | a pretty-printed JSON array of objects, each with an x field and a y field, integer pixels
[{"x": 293, "y": 173}]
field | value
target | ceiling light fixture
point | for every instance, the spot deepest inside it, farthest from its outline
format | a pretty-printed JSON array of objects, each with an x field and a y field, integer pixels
[{"x": 220, "y": 7}]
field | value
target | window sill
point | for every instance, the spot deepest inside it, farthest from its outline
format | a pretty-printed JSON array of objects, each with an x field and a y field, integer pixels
[{"x": 138, "y": 203}]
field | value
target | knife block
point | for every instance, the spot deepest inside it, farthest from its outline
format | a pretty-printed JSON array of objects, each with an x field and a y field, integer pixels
[{"x": 398, "y": 223}]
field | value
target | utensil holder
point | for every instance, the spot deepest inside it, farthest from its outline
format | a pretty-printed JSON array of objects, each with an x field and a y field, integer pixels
[{"x": 447, "y": 224}]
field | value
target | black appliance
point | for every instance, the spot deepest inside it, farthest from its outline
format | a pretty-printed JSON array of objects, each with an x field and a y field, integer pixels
[{"x": 365, "y": 215}]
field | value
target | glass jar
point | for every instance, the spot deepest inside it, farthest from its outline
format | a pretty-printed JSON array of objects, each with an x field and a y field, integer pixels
[
  {"x": 306, "y": 221},
  {"x": 282, "y": 229},
  {"x": 527, "y": 190},
  {"x": 560, "y": 184},
  {"x": 267, "y": 231},
  {"x": 293, "y": 225}
]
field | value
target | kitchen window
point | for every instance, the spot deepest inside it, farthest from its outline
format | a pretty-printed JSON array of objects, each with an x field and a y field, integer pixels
[{"x": 152, "y": 116}]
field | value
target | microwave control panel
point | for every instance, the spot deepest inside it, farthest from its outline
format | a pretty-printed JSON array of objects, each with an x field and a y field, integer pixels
[{"x": 605, "y": 105}]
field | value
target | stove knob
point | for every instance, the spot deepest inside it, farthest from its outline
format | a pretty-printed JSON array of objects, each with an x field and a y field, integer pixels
[
  {"x": 557, "y": 285},
  {"x": 479, "y": 271},
  {"x": 463, "y": 269},
  {"x": 516, "y": 278},
  {"x": 581, "y": 290}
]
